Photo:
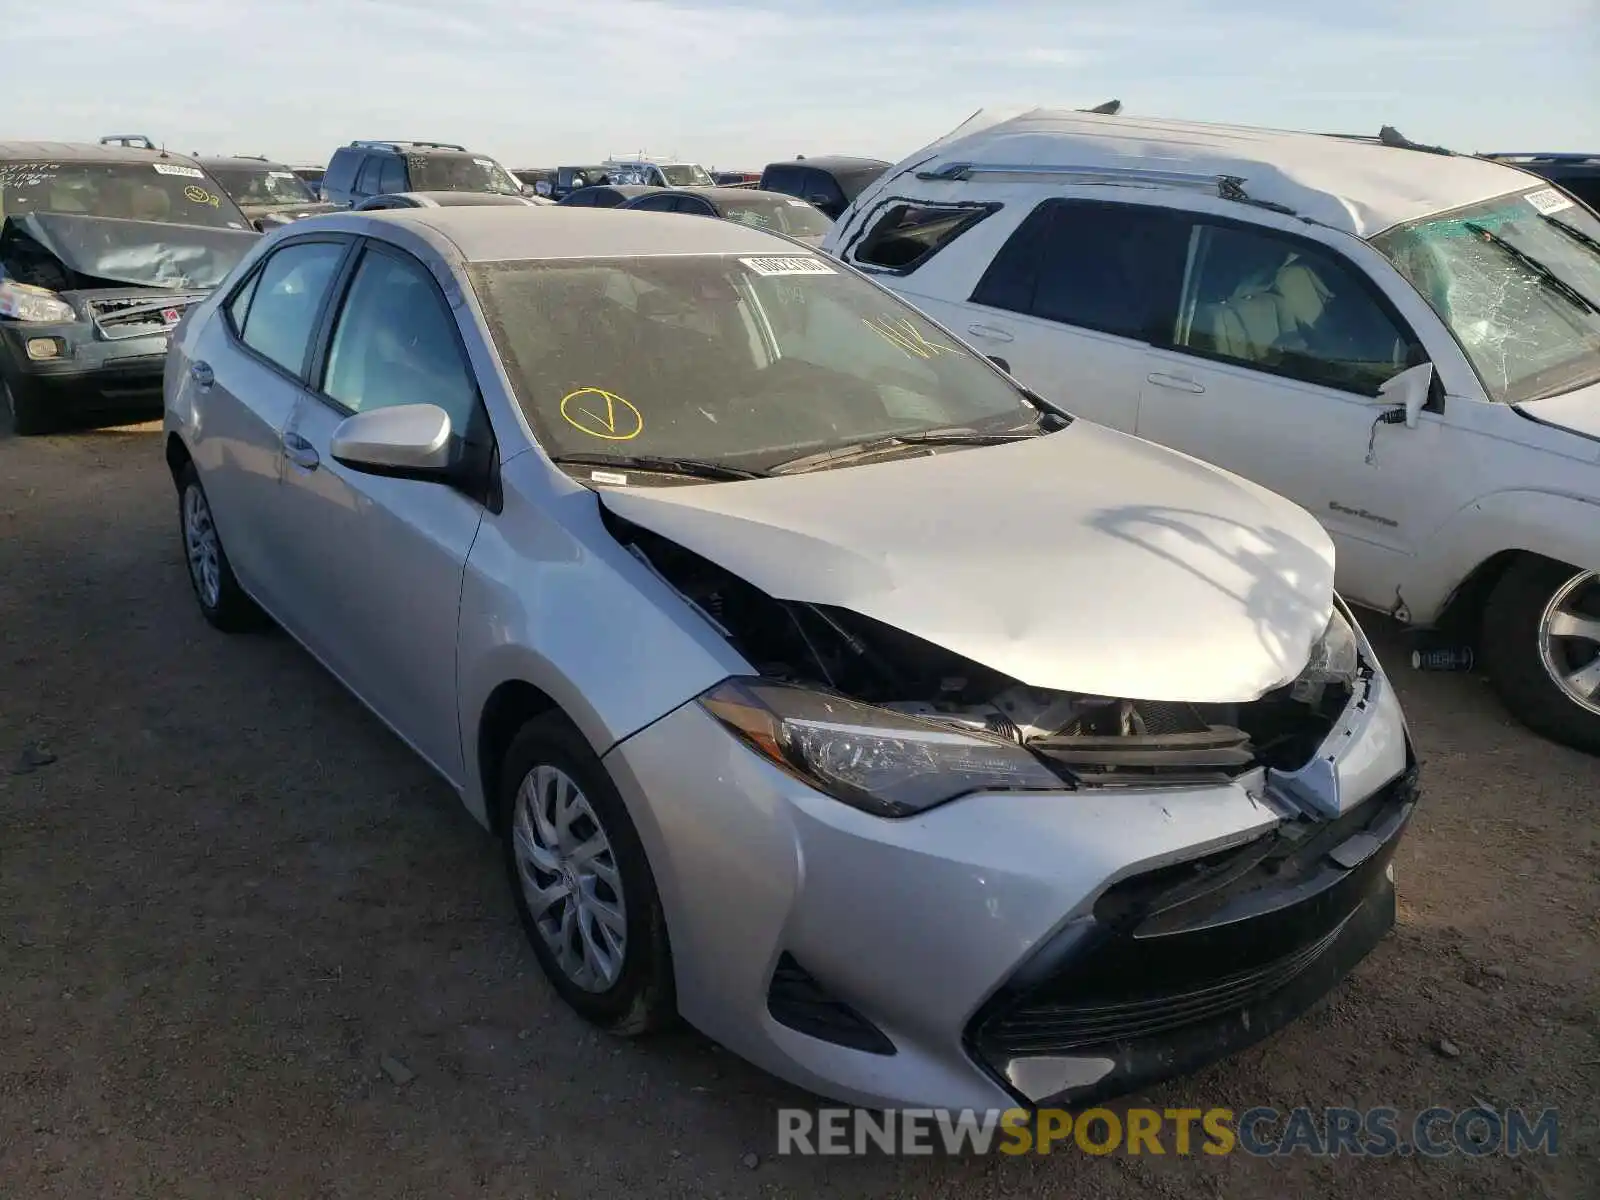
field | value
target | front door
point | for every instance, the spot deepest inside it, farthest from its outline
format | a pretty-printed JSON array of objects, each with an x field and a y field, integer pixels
[
  {"x": 1272, "y": 371},
  {"x": 385, "y": 557}
]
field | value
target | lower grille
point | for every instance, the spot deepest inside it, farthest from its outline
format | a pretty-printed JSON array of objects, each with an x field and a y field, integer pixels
[{"x": 138, "y": 316}]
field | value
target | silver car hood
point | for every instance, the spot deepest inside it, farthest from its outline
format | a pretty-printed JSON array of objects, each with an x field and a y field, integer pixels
[
  {"x": 1577, "y": 411},
  {"x": 1084, "y": 561}
]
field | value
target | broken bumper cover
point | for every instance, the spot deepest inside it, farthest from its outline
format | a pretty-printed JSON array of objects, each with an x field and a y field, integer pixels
[
  {"x": 83, "y": 373},
  {"x": 896, "y": 963}
]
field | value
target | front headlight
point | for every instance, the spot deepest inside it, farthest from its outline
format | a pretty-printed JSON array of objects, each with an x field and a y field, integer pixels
[
  {"x": 1336, "y": 656},
  {"x": 24, "y": 302},
  {"x": 881, "y": 762}
]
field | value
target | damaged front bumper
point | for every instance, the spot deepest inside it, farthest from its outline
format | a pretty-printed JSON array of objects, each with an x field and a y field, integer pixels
[{"x": 1011, "y": 948}]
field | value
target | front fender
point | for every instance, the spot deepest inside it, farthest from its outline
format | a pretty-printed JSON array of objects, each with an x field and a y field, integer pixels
[{"x": 1565, "y": 528}]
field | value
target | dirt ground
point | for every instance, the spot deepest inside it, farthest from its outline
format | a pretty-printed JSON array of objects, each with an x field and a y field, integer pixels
[{"x": 233, "y": 893}]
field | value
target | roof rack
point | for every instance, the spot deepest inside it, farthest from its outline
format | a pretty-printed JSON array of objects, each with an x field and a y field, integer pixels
[
  {"x": 398, "y": 146},
  {"x": 1392, "y": 137},
  {"x": 1228, "y": 187},
  {"x": 133, "y": 141}
]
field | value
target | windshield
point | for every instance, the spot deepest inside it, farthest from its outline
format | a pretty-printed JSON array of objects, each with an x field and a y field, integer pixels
[
  {"x": 686, "y": 175},
  {"x": 745, "y": 361},
  {"x": 780, "y": 213},
  {"x": 263, "y": 185},
  {"x": 175, "y": 193},
  {"x": 460, "y": 173},
  {"x": 1517, "y": 280}
]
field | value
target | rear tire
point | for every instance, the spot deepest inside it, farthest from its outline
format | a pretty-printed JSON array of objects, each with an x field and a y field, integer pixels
[
  {"x": 28, "y": 417},
  {"x": 222, "y": 601},
  {"x": 1527, "y": 652},
  {"x": 573, "y": 901}
]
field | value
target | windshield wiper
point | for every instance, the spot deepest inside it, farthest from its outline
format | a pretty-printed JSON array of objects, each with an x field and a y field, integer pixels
[
  {"x": 699, "y": 468},
  {"x": 1546, "y": 276},
  {"x": 927, "y": 437}
]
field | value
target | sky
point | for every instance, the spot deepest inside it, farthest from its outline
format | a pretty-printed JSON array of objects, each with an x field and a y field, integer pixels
[{"x": 738, "y": 84}]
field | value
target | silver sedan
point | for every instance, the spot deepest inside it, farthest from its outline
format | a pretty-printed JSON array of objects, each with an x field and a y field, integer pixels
[{"x": 827, "y": 688}]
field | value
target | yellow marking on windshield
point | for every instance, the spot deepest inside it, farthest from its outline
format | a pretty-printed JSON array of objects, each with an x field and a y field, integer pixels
[
  {"x": 196, "y": 194},
  {"x": 902, "y": 334},
  {"x": 602, "y": 414}
]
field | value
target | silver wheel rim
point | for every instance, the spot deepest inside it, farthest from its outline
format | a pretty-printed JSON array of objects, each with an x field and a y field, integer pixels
[
  {"x": 569, "y": 878},
  {"x": 201, "y": 545},
  {"x": 1569, "y": 640}
]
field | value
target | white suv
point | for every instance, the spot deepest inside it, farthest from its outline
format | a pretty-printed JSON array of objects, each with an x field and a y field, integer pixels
[{"x": 1405, "y": 342}]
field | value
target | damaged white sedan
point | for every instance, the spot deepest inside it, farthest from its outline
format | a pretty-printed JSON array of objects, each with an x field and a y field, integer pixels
[{"x": 912, "y": 739}]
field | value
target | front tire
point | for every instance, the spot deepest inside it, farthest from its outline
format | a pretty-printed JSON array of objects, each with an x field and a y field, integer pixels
[
  {"x": 28, "y": 417},
  {"x": 1541, "y": 644},
  {"x": 581, "y": 882},
  {"x": 222, "y": 601}
]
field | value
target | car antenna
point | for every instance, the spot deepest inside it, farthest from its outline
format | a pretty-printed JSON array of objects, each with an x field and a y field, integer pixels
[{"x": 1109, "y": 109}]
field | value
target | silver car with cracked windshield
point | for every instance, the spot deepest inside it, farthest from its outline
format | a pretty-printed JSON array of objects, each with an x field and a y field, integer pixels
[{"x": 912, "y": 739}]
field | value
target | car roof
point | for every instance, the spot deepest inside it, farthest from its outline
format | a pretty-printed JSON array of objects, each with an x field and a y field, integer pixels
[
  {"x": 732, "y": 194},
  {"x": 624, "y": 189},
  {"x": 843, "y": 164},
  {"x": 465, "y": 199},
  {"x": 500, "y": 234},
  {"x": 1356, "y": 186},
  {"x": 210, "y": 161},
  {"x": 85, "y": 152}
]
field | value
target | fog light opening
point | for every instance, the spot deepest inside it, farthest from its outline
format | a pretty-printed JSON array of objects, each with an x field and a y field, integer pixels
[{"x": 42, "y": 348}]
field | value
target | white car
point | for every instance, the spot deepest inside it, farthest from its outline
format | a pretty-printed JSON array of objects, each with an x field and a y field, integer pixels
[
  {"x": 657, "y": 172},
  {"x": 1405, "y": 342}
]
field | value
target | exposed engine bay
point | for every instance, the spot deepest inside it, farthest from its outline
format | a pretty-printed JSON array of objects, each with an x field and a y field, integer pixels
[{"x": 1088, "y": 739}]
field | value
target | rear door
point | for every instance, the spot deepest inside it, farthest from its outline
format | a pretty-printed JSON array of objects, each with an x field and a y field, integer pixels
[
  {"x": 246, "y": 373},
  {"x": 380, "y": 560},
  {"x": 1073, "y": 299}
]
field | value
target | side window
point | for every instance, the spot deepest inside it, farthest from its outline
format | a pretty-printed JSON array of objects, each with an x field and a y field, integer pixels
[
  {"x": 1113, "y": 268},
  {"x": 667, "y": 203},
  {"x": 907, "y": 235},
  {"x": 822, "y": 190},
  {"x": 391, "y": 175},
  {"x": 580, "y": 199},
  {"x": 695, "y": 206},
  {"x": 1254, "y": 297},
  {"x": 367, "y": 180},
  {"x": 782, "y": 179},
  {"x": 239, "y": 305},
  {"x": 396, "y": 343},
  {"x": 285, "y": 300}
]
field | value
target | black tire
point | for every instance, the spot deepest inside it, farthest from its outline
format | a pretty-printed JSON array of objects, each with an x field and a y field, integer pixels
[
  {"x": 27, "y": 416},
  {"x": 231, "y": 610},
  {"x": 643, "y": 997},
  {"x": 1510, "y": 651}
]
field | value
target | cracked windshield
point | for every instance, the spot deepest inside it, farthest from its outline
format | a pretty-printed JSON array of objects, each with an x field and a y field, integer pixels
[
  {"x": 1517, "y": 280},
  {"x": 258, "y": 185},
  {"x": 746, "y": 361}
]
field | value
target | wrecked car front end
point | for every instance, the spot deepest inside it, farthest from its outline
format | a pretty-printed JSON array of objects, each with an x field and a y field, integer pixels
[
  {"x": 898, "y": 875},
  {"x": 88, "y": 305}
]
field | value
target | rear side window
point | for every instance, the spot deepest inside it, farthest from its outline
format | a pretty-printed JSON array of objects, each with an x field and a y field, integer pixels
[
  {"x": 1109, "y": 267},
  {"x": 367, "y": 181},
  {"x": 287, "y": 296},
  {"x": 822, "y": 190},
  {"x": 392, "y": 176},
  {"x": 781, "y": 179},
  {"x": 907, "y": 235}
]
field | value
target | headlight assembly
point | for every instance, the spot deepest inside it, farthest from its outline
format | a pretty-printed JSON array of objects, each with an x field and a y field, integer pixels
[
  {"x": 1335, "y": 657},
  {"x": 879, "y": 761}
]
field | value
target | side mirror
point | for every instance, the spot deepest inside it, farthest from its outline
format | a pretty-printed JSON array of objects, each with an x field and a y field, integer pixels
[
  {"x": 999, "y": 362},
  {"x": 1410, "y": 390},
  {"x": 408, "y": 441}
]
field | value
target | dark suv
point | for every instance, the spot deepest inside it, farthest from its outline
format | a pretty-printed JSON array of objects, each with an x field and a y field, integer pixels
[
  {"x": 1577, "y": 173},
  {"x": 830, "y": 182},
  {"x": 363, "y": 170},
  {"x": 102, "y": 250}
]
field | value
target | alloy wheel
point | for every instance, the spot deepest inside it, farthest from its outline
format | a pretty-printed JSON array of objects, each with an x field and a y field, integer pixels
[
  {"x": 569, "y": 878},
  {"x": 201, "y": 546},
  {"x": 1569, "y": 640}
]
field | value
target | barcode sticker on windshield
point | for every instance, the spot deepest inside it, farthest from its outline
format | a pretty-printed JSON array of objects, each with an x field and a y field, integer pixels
[
  {"x": 485, "y": 163},
  {"x": 1547, "y": 201},
  {"x": 807, "y": 265},
  {"x": 175, "y": 169},
  {"x": 280, "y": 174}
]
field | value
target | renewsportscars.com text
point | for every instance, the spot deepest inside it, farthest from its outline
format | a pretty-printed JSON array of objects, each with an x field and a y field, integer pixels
[{"x": 1261, "y": 1132}]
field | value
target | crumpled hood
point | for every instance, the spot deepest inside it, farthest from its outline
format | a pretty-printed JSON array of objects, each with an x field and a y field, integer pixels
[
  {"x": 1578, "y": 411},
  {"x": 143, "y": 253},
  {"x": 1084, "y": 561}
]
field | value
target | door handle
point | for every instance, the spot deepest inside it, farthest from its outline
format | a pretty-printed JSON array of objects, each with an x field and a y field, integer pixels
[
  {"x": 990, "y": 332},
  {"x": 1176, "y": 382},
  {"x": 202, "y": 373},
  {"x": 300, "y": 452}
]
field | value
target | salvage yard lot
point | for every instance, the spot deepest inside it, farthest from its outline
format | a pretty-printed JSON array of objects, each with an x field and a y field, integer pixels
[{"x": 232, "y": 895}]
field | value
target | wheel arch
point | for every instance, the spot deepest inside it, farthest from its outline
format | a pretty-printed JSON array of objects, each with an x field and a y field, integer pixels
[{"x": 177, "y": 455}]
